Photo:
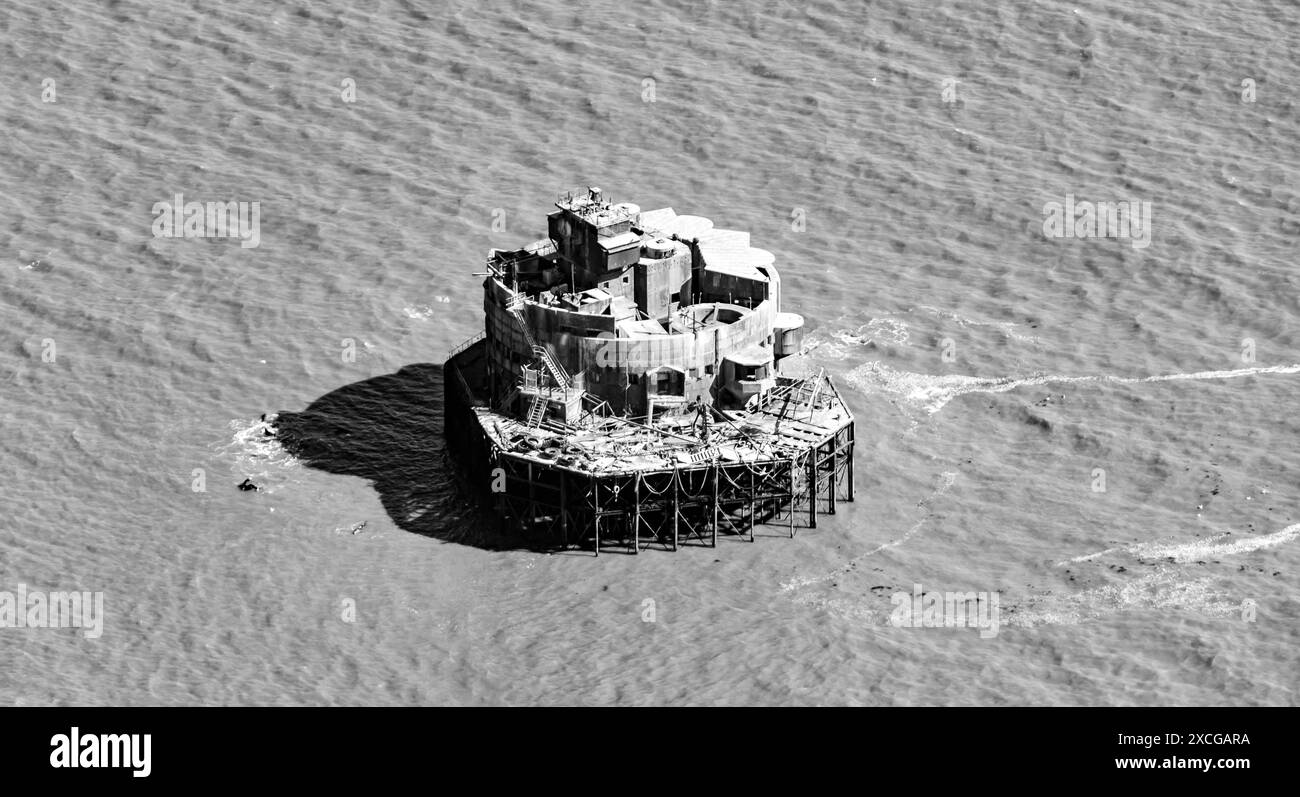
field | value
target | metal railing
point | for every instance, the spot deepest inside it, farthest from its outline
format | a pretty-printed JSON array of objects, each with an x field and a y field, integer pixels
[
  {"x": 515, "y": 306},
  {"x": 467, "y": 343}
]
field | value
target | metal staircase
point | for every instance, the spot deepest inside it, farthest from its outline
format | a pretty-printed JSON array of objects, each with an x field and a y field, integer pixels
[
  {"x": 557, "y": 371},
  {"x": 708, "y": 452},
  {"x": 537, "y": 411},
  {"x": 516, "y": 308}
]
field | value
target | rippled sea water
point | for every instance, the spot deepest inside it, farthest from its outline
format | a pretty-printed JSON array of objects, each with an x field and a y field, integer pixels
[{"x": 993, "y": 371}]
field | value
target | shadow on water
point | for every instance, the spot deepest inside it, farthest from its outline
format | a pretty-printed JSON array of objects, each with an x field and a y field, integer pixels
[{"x": 389, "y": 429}]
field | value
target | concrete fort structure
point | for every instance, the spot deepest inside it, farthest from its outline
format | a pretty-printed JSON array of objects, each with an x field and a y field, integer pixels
[{"x": 634, "y": 349}]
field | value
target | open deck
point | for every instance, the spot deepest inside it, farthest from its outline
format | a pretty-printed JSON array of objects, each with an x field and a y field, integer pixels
[{"x": 689, "y": 475}]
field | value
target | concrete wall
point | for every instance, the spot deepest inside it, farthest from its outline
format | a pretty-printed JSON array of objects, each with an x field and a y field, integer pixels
[
  {"x": 576, "y": 240},
  {"x": 657, "y": 280},
  {"x": 554, "y": 327},
  {"x": 616, "y": 368},
  {"x": 618, "y": 282},
  {"x": 612, "y": 363},
  {"x": 717, "y": 286}
]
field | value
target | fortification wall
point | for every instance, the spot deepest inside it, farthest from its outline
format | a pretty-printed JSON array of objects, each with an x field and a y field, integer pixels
[{"x": 616, "y": 367}]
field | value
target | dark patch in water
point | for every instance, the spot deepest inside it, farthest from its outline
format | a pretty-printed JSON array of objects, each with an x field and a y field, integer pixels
[
  {"x": 1034, "y": 419},
  {"x": 389, "y": 430}
]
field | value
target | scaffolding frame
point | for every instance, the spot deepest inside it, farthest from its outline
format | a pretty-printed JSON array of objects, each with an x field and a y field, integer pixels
[
  {"x": 671, "y": 508},
  {"x": 688, "y": 504}
]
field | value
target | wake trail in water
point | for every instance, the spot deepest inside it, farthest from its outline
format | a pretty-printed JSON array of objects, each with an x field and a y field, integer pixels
[
  {"x": 1198, "y": 550},
  {"x": 946, "y": 480},
  {"x": 933, "y": 392},
  {"x": 1165, "y": 588}
]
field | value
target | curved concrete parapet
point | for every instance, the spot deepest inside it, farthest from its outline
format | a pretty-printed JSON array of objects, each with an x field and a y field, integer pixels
[{"x": 789, "y": 331}]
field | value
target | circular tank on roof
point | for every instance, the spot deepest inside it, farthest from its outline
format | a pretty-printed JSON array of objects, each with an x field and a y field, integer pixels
[
  {"x": 632, "y": 210},
  {"x": 789, "y": 334},
  {"x": 658, "y": 248},
  {"x": 688, "y": 227}
]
